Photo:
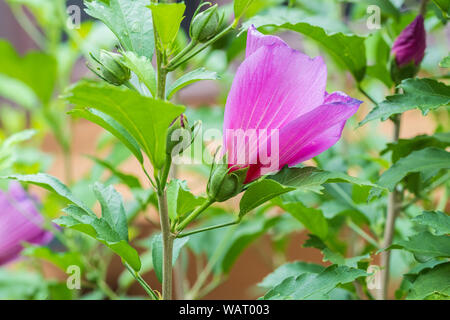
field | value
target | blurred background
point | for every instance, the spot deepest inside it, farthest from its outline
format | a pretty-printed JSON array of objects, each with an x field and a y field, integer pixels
[{"x": 207, "y": 100}]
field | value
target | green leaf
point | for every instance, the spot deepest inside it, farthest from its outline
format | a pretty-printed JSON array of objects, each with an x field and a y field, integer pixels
[
  {"x": 145, "y": 119},
  {"x": 113, "y": 211},
  {"x": 130, "y": 21},
  {"x": 445, "y": 63},
  {"x": 403, "y": 147},
  {"x": 425, "y": 246},
  {"x": 60, "y": 259},
  {"x": 312, "y": 219},
  {"x": 312, "y": 178},
  {"x": 340, "y": 260},
  {"x": 434, "y": 283},
  {"x": 436, "y": 220},
  {"x": 423, "y": 94},
  {"x": 112, "y": 126},
  {"x": 260, "y": 192},
  {"x": 444, "y": 5},
  {"x": 312, "y": 285},
  {"x": 157, "y": 252},
  {"x": 52, "y": 184},
  {"x": 180, "y": 200},
  {"x": 143, "y": 68},
  {"x": 292, "y": 269},
  {"x": 110, "y": 229},
  {"x": 417, "y": 161},
  {"x": 167, "y": 18},
  {"x": 17, "y": 92},
  {"x": 37, "y": 70},
  {"x": 348, "y": 50},
  {"x": 240, "y": 6},
  {"x": 129, "y": 180},
  {"x": 189, "y": 78}
]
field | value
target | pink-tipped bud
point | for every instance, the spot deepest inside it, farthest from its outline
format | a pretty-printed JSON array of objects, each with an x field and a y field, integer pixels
[{"x": 409, "y": 47}]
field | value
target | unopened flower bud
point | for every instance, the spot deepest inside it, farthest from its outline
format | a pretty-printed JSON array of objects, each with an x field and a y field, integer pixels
[
  {"x": 224, "y": 184},
  {"x": 408, "y": 50},
  {"x": 111, "y": 68},
  {"x": 206, "y": 24},
  {"x": 179, "y": 136}
]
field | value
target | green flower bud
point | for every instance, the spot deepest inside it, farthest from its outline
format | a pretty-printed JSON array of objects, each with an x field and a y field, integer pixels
[
  {"x": 206, "y": 24},
  {"x": 179, "y": 136},
  {"x": 224, "y": 184},
  {"x": 400, "y": 73},
  {"x": 111, "y": 68}
]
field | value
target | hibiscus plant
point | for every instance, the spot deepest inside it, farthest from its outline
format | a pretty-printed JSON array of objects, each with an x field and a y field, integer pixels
[{"x": 289, "y": 149}]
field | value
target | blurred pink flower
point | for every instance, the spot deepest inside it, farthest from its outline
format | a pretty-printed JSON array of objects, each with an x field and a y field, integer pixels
[
  {"x": 20, "y": 222},
  {"x": 410, "y": 44},
  {"x": 280, "y": 92}
]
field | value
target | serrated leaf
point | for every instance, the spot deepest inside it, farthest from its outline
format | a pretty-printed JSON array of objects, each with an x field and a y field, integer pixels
[
  {"x": 157, "y": 252},
  {"x": 312, "y": 178},
  {"x": 167, "y": 18},
  {"x": 432, "y": 282},
  {"x": 348, "y": 50},
  {"x": 113, "y": 210},
  {"x": 423, "y": 94},
  {"x": 425, "y": 246},
  {"x": 417, "y": 161},
  {"x": 52, "y": 184},
  {"x": 110, "y": 229},
  {"x": 340, "y": 260},
  {"x": 292, "y": 269},
  {"x": 146, "y": 119},
  {"x": 143, "y": 68},
  {"x": 312, "y": 285},
  {"x": 130, "y": 21},
  {"x": 180, "y": 200},
  {"x": 37, "y": 70},
  {"x": 436, "y": 220},
  {"x": 403, "y": 147},
  {"x": 189, "y": 78},
  {"x": 259, "y": 193},
  {"x": 312, "y": 219},
  {"x": 112, "y": 126}
]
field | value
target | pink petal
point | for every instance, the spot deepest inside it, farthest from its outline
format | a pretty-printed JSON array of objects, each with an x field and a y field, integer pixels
[
  {"x": 256, "y": 40},
  {"x": 272, "y": 86},
  {"x": 312, "y": 133},
  {"x": 20, "y": 222},
  {"x": 411, "y": 43}
]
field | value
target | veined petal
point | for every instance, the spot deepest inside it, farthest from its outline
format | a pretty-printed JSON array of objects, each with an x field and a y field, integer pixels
[
  {"x": 315, "y": 132},
  {"x": 312, "y": 133},
  {"x": 256, "y": 40},
  {"x": 272, "y": 86}
]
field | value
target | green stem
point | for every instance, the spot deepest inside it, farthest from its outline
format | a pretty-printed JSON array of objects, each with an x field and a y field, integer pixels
[
  {"x": 142, "y": 282},
  {"x": 367, "y": 95},
  {"x": 167, "y": 245},
  {"x": 185, "y": 234},
  {"x": 183, "y": 52},
  {"x": 193, "y": 215},
  {"x": 393, "y": 209},
  {"x": 362, "y": 233},
  {"x": 193, "y": 293},
  {"x": 28, "y": 27},
  {"x": 175, "y": 64}
]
